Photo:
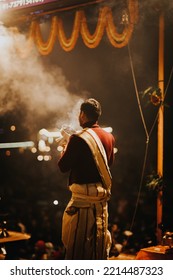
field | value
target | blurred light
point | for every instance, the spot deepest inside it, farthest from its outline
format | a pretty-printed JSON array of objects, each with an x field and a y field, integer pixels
[
  {"x": 3, "y": 251},
  {"x": 21, "y": 150},
  {"x": 13, "y": 128},
  {"x": 60, "y": 148},
  {"x": 33, "y": 150},
  {"x": 128, "y": 233},
  {"x": 41, "y": 145},
  {"x": 45, "y": 132},
  {"x": 108, "y": 129},
  {"x": 47, "y": 157},
  {"x": 125, "y": 18},
  {"x": 55, "y": 202},
  {"x": 40, "y": 158},
  {"x": 17, "y": 145},
  {"x": 119, "y": 247},
  {"x": 50, "y": 140},
  {"x": 47, "y": 149},
  {"x": 8, "y": 153},
  {"x": 115, "y": 150}
]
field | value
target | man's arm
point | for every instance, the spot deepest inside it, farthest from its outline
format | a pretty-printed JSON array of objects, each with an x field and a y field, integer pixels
[{"x": 67, "y": 159}]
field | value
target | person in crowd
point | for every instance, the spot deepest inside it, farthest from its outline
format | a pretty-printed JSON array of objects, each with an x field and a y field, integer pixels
[
  {"x": 39, "y": 251},
  {"x": 88, "y": 157}
]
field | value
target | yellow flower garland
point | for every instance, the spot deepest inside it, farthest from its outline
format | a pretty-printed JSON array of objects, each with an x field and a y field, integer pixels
[
  {"x": 69, "y": 44},
  {"x": 92, "y": 41},
  {"x": 105, "y": 23},
  {"x": 46, "y": 47},
  {"x": 120, "y": 40}
]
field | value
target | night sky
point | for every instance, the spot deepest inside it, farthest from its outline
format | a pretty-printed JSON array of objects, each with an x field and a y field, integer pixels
[{"x": 103, "y": 73}]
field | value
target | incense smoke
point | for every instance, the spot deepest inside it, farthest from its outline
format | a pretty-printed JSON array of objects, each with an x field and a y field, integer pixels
[{"x": 26, "y": 83}]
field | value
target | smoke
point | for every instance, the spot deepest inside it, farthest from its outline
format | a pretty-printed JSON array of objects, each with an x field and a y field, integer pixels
[
  {"x": 154, "y": 7},
  {"x": 26, "y": 84}
]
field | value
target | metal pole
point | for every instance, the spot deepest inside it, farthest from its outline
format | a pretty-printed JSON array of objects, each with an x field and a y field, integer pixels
[{"x": 160, "y": 133}]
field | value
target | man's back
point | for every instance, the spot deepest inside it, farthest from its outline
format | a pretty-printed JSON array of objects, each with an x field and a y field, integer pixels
[{"x": 79, "y": 161}]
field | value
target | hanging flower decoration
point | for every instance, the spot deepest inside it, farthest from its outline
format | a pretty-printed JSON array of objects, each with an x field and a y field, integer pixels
[
  {"x": 153, "y": 94},
  {"x": 105, "y": 25},
  {"x": 155, "y": 99},
  {"x": 155, "y": 182}
]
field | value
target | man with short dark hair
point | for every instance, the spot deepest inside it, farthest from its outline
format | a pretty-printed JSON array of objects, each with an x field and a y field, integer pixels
[{"x": 88, "y": 156}]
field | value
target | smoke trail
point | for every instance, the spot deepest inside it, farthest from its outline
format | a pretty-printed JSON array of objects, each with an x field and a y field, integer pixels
[
  {"x": 26, "y": 83},
  {"x": 151, "y": 7}
]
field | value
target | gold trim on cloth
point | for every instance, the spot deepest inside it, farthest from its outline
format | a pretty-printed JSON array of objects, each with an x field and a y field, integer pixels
[
  {"x": 88, "y": 193},
  {"x": 99, "y": 155},
  {"x": 85, "y": 223}
]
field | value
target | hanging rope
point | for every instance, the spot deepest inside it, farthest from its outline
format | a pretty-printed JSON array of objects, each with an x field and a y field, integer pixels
[
  {"x": 147, "y": 137},
  {"x": 169, "y": 80},
  {"x": 148, "y": 134},
  {"x": 137, "y": 95}
]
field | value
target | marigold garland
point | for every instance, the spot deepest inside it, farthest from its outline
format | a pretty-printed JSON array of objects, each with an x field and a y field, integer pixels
[
  {"x": 105, "y": 23},
  {"x": 69, "y": 43},
  {"x": 93, "y": 40},
  {"x": 46, "y": 47},
  {"x": 120, "y": 40}
]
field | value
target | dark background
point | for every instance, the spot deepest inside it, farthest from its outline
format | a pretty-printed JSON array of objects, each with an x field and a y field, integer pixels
[{"x": 29, "y": 187}]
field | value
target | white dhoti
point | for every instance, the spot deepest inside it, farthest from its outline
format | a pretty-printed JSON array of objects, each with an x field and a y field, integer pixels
[{"x": 85, "y": 223}]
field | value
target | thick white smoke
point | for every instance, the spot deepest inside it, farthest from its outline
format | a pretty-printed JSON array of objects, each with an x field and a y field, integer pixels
[{"x": 27, "y": 82}]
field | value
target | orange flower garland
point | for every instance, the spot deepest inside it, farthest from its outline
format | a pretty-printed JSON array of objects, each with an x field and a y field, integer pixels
[
  {"x": 105, "y": 23},
  {"x": 69, "y": 44},
  {"x": 46, "y": 47},
  {"x": 92, "y": 41}
]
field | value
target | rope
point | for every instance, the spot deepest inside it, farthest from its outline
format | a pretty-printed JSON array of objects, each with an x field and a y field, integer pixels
[
  {"x": 137, "y": 95},
  {"x": 148, "y": 134},
  {"x": 147, "y": 137},
  {"x": 140, "y": 185},
  {"x": 169, "y": 80}
]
